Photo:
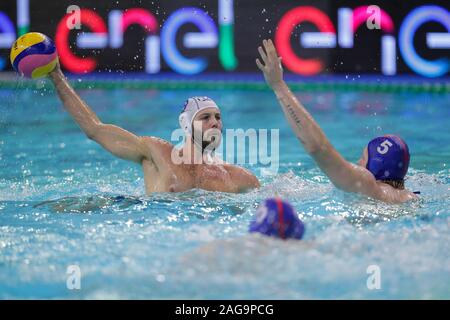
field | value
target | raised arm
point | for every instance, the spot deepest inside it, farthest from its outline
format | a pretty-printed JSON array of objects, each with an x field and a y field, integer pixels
[
  {"x": 343, "y": 174},
  {"x": 118, "y": 141}
]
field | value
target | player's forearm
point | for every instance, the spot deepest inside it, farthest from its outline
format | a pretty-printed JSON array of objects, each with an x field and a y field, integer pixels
[
  {"x": 306, "y": 129},
  {"x": 80, "y": 111},
  {"x": 315, "y": 141}
]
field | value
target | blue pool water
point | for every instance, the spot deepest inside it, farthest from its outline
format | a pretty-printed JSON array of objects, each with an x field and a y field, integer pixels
[{"x": 65, "y": 201}]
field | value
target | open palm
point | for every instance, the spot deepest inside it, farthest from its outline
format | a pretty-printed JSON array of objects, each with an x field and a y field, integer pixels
[{"x": 273, "y": 72}]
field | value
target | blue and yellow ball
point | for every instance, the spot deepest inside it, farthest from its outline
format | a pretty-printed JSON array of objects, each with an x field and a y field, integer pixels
[{"x": 34, "y": 55}]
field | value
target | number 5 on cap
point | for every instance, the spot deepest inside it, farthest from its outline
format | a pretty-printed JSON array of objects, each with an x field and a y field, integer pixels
[{"x": 385, "y": 144}]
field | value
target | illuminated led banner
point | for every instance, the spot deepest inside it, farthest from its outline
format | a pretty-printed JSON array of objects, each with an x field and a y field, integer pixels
[{"x": 192, "y": 37}]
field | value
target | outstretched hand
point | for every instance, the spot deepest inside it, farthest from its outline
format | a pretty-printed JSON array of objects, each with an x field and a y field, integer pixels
[{"x": 273, "y": 72}]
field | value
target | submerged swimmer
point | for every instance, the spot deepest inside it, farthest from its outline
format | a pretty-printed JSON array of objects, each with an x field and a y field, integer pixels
[
  {"x": 381, "y": 170},
  {"x": 277, "y": 218},
  {"x": 199, "y": 118}
]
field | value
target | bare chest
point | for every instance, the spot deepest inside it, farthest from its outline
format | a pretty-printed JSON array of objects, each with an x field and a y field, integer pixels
[
  {"x": 179, "y": 178},
  {"x": 214, "y": 178}
]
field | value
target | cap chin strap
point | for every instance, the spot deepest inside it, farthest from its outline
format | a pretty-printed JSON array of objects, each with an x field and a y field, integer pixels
[
  {"x": 197, "y": 144},
  {"x": 208, "y": 153}
]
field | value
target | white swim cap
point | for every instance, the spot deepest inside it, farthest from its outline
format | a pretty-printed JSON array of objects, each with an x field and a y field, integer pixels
[{"x": 193, "y": 106}]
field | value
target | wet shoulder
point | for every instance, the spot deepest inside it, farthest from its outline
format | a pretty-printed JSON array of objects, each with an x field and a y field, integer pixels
[
  {"x": 242, "y": 175},
  {"x": 159, "y": 149},
  {"x": 393, "y": 195}
]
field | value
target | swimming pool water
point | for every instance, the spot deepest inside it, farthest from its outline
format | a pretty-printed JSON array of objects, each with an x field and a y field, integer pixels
[{"x": 65, "y": 201}]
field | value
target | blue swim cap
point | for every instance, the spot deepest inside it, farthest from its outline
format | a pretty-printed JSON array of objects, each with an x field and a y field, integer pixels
[
  {"x": 277, "y": 218},
  {"x": 388, "y": 158}
]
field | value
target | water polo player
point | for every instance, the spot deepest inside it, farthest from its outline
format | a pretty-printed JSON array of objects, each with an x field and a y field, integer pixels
[
  {"x": 200, "y": 116},
  {"x": 381, "y": 171},
  {"x": 166, "y": 169}
]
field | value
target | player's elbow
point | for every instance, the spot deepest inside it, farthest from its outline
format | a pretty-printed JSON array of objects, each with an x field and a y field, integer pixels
[
  {"x": 318, "y": 149},
  {"x": 91, "y": 135},
  {"x": 92, "y": 132},
  {"x": 313, "y": 150}
]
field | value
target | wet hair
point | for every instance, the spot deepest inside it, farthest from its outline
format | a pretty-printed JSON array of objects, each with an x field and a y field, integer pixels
[{"x": 396, "y": 184}]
